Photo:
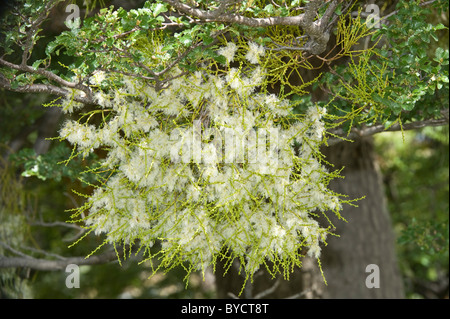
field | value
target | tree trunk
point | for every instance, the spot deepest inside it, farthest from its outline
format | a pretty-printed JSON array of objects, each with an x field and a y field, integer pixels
[{"x": 366, "y": 240}]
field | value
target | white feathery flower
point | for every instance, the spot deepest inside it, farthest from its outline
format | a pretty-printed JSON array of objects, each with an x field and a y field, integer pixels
[
  {"x": 278, "y": 231},
  {"x": 314, "y": 251},
  {"x": 233, "y": 78},
  {"x": 146, "y": 122},
  {"x": 257, "y": 76},
  {"x": 67, "y": 129},
  {"x": 262, "y": 185},
  {"x": 228, "y": 51},
  {"x": 271, "y": 100},
  {"x": 106, "y": 135},
  {"x": 98, "y": 77},
  {"x": 72, "y": 106},
  {"x": 150, "y": 93},
  {"x": 254, "y": 52},
  {"x": 196, "y": 79},
  {"x": 103, "y": 100},
  {"x": 134, "y": 168},
  {"x": 130, "y": 87},
  {"x": 209, "y": 154},
  {"x": 84, "y": 136},
  {"x": 315, "y": 113},
  {"x": 283, "y": 108},
  {"x": 217, "y": 84},
  {"x": 193, "y": 95}
]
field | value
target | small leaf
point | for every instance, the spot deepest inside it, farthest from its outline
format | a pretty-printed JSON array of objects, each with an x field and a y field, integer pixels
[
  {"x": 221, "y": 59},
  {"x": 440, "y": 26},
  {"x": 51, "y": 47},
  {"x": 386, "y": 102},
  {"x": 36, "y": 64},
  {"x": 269, "y": 8},
  {"x": 159, "y": 8}
]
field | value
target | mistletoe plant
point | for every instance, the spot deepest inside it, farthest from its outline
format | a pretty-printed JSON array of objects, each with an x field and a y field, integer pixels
[{"x": 212, "y": 166}]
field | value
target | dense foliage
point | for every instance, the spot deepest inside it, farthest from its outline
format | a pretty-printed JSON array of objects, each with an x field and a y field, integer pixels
[{"x": 191, "y": 138}]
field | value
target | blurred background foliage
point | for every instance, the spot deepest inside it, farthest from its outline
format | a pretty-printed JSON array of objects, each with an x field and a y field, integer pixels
[{"x": 416, "y": 178}]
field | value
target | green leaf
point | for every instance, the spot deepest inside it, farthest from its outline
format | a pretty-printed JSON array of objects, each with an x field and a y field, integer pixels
[
  {"x": 128, "y": 23},
  {"x": 159, "y": 8},
  {"x": 36, "y": 63},
  {"x": 441, "y": 55},
  {"x": 51, "y": 47},
  {"x": 440, "y": 26},
  {"x": 221, "y": 59},
  {"x": 387, "y": 102},
  {"x": 160, "y": 19},
  {"x": 269, "y": 9},
  {"x": 186, "y": 39},
  {"x": 121, "y": 12}
]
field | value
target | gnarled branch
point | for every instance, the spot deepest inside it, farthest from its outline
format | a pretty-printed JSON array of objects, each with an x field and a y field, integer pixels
[
  {"x": 43, "y": 88},
  {"x": 317, "y": 30}
]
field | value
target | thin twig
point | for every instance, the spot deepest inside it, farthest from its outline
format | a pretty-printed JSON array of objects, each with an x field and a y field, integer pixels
[
  {"x": 268, "y": 291},
  {"x": 53, "y": 265},
  {"x": 15, "y": 251},
  {"x": 53, "y": 224},
  {"x": 298, "y": 295}
]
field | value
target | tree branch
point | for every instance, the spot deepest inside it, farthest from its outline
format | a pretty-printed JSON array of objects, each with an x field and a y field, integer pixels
[
  {"x": 372, "y": 130},
  {"x": 217, "y": 16},
  {"x": 268, "y": 291},
  {"x": 32, "y": 32},
  {"x": 27, "y": 47},
  {"x": 53, "y": 265},
  {"x": 315, "y": 29},
  {"x": 42, "y": 88},
  {"x": 47, "y": 74}
]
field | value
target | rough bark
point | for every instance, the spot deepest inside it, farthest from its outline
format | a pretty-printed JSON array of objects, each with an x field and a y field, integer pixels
[{"x": 367, "y": 238}]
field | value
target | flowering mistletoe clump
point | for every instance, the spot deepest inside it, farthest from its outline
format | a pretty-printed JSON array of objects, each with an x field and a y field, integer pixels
[{"x": 210, "y": 166}]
